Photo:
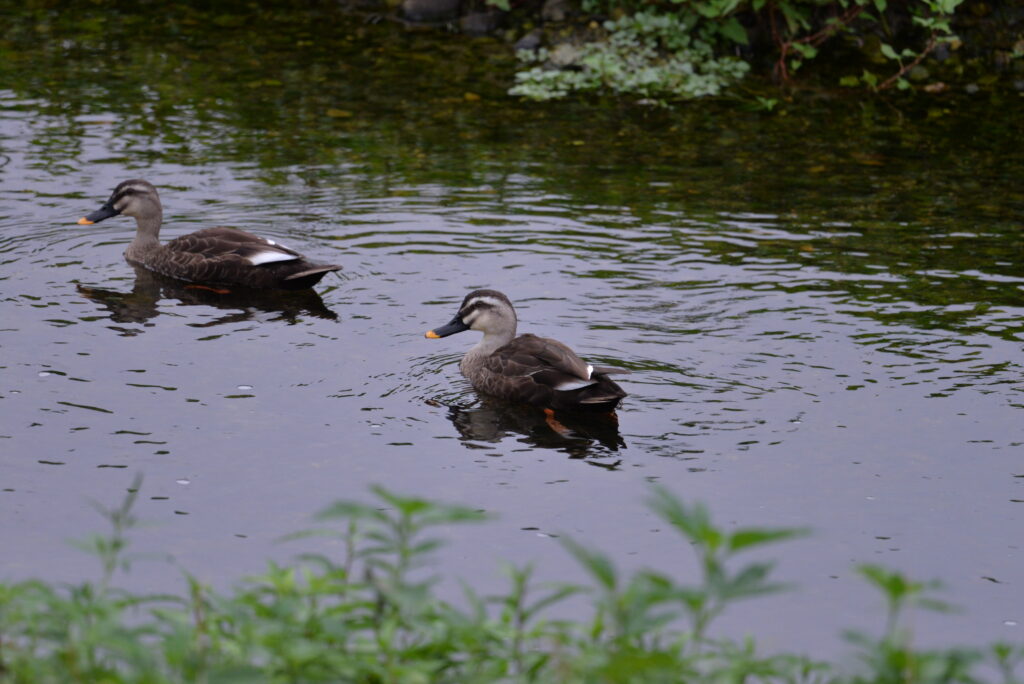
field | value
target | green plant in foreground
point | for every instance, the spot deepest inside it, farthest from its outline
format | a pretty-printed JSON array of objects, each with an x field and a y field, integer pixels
[{"x": 369, "y": 612}]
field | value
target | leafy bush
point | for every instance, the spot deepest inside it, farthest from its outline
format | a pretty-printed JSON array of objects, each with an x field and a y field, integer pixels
[
  {"x": 647, "y": 54},
  {"x": 372, "y": 616},
  {"x": 674, "y": 48}
]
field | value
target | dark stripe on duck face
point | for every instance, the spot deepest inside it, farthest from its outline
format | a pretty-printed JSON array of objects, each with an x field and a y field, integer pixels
[
  {"x": 118, "y": 200},
  {"x": 474, "y": 303},
  {"x": 492, "y": 294},
  {"x": 481, "y": 300},
  {"x": 127, "y": 189}
]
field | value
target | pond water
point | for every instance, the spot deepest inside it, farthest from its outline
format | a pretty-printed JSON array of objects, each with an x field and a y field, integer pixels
[{"x": 822, "y": 309}]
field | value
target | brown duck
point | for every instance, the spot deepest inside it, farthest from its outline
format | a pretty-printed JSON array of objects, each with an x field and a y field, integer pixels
[
  {"x": 214, "y": 256},
  {"x": 535, "y": 370}
]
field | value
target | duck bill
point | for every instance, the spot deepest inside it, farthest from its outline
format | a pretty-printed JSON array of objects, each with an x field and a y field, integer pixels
[
  {"x": 104, "y": 212},
  {"x": 450, "y": 328}
]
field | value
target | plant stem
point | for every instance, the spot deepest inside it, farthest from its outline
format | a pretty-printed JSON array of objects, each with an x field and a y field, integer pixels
[{"x": 889, "y": 82}]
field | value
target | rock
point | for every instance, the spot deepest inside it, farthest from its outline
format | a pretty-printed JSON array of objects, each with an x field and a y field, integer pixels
[
  {"x": 531, "y": 41},
  {"x": 430, "y": 10},
  {"x": 556, "y": 10},
  {"x": 480, "y": 23},
  {"x": 564, "y": 55},
  {"x": 365, "y": 5}
]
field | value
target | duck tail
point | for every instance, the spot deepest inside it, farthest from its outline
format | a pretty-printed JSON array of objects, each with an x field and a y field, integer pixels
[
  {"x": 308, "y": 277},
  {"x": 610, "y": 370},
  {"x": 602, "y": 396}
]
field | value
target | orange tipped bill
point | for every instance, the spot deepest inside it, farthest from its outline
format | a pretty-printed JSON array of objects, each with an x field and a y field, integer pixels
[
  {"x": 450, "y": 328},
  {"x": 101, "y": 214}
]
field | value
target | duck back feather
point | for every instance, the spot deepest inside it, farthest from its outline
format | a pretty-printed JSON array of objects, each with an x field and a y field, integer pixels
[
  {"x": 544, "y": 372},
  {"x": 228, "y": 256}
]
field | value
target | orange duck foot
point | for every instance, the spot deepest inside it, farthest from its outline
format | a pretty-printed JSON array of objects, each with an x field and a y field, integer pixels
[{"x": 218, "y": 290}]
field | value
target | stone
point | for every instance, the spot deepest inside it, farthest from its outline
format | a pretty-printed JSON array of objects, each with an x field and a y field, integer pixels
[
  {"x": 556, "y": 10},
  {"x": 531, "y": 41},
  {"x": 481, "y": 23},
  {"x": 563, "y": 55},
  {"x": 429, "y": 11}
]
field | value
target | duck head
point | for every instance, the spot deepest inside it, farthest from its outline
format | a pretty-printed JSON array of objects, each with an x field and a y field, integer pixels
[
  {"x": 136, "y": 198},
  {"x": 488, "y": 311}
]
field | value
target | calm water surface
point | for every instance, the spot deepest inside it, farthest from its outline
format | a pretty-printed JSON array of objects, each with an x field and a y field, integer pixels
[{"x": 822, "y": 310}]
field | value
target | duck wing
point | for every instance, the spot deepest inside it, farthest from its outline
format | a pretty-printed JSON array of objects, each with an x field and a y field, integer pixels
[
  {"x": 545, "y": 372},
  {"x": 231, "y": 244},
  {"x": 232, "y": 256},
  {"x": 545, "y": 359}
]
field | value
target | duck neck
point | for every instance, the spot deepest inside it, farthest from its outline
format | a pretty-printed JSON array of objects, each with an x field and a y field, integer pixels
[
  {"x": 491, "y": 342},
  {"x": 147, "y": 234}
]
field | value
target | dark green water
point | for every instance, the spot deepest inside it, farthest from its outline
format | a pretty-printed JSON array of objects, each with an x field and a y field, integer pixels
[{"x": 823, "y": 309}]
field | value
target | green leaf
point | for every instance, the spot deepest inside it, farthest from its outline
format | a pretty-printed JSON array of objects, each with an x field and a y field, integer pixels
[
  {"x": 893, "y": 584},
  {"x": 796, "y": 18},
  {"x": 425, "y": 547},
  {"x": 849, "y": 81},
  {"x": 806, "y": 51},
  {"x": 734, "y": 31},
  {"x": 694, "y": 522},
  {"x": 556, "y": 596},
  {"x": 594, "y": 562},
  {"x": 695, "y": 600},
  {"x": 937, "y": 605},
  {"x": 349, "y": 509},
  {"x": 751, "y": 536},
  {"x": 751, "y": 581},
  {"x": 888, "y": 51}
]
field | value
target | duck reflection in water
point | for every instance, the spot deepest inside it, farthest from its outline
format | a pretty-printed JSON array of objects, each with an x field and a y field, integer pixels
[
  {"x": 580, "y": 436},
  {"x": 143, "y": 301}
]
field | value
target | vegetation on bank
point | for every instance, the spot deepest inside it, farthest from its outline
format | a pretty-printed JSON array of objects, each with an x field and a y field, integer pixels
[
  {"x": 372, "y": 615},
  {"x": 655, "y": 51},
  {"x": 715, "y": 42}
]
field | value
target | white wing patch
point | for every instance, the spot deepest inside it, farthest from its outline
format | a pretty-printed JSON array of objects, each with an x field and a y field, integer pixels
[
  {"x": 269, "y": 257},
  {"x": 577, "y": 383},
  {"x": 574, "y": 384}
]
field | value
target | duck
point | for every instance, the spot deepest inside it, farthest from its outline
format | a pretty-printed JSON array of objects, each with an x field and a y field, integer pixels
[
  {"x": 219, "y": 256},
  {"x": 527, "y": 369}
]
